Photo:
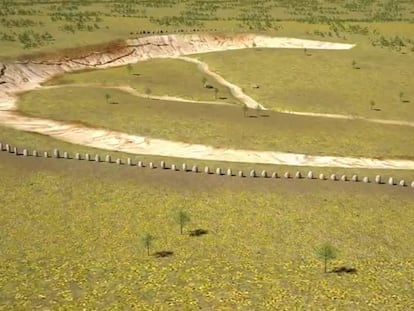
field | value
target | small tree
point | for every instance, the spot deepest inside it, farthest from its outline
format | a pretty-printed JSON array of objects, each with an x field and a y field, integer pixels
[
  {"x": 326, "y": 252},
  {"x": 372, "y": 104},
  {"x": 401, "y": 96},
  {"x": 148, "y": 91},
  {"x": 258, "y": 110},
  {"x": 146, "y": 241},
  {"x": 107, "y": 97},
  {"x": 245, "y": 109},
  {"x": 129, "y": 69},
  {"x": 204, "y": 80},
  {"x": 182, "y": 218},
  {"x": 353, "y": 64},
  {"x": 215, "y": 92}
]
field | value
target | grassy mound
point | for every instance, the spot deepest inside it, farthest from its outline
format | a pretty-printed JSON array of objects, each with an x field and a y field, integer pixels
[
  {"x": 219, "y": 126},
  {"x": 323, "y": 81},
  {"x": 154, "y": 77}
]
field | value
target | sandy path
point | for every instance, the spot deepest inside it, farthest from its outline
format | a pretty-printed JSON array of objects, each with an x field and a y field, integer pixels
[
  {"x": 111, "y": 140},
  {"x": 234, "y": 89},
  {"x": 24, "y": 77},
  {"x": 133, "y": 92},
  {"x": 348, "y": 117}
]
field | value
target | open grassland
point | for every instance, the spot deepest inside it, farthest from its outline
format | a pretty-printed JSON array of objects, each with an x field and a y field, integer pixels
[
  {"x": 70, "y": 239},
  {"x": 41, "y": 143},
  {"x": 219, "y": 126},
  {"x": 154, "y": 77},
  {"x": 335, "y": 82},
  {"x": 32, "y": 27}
]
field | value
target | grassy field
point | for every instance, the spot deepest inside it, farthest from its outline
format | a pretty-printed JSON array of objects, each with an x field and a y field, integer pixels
[
  {"x": 219, "y": 125},
  {"x": 44, "y": 26},
  {"x": 159, "y": 76},
  {"x": 324, "y": 81},
  {"x": 70, "y": 239}
]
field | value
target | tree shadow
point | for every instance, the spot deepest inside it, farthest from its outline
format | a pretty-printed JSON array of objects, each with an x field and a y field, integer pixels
[
  {"x": 376, "y": 109},
  {"x": 113, "y": 103},
  {"x": 198, "y": 232},
  {"x": 163, "y": 254},
  {"x": 252, "y": 116},
  {"x": 405, "y": 100},
  {"x": 343, "y": 270},
  {"x": 136, "y": 74}
]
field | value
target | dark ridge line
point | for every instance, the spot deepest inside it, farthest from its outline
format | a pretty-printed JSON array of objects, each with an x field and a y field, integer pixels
[
  {"x": 2, "y": 73},
  {"x": 104, "y": 63}
]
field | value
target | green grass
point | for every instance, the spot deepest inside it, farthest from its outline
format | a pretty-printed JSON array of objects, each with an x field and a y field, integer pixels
[
  {"x": 324, "y": 82},
  {"x": 219, "y": 126},
  {"x": 162, "y": 76},
  {"x": 70, "y": 239}
]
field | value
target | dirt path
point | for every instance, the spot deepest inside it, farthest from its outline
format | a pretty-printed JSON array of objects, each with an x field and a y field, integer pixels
[
  {"x": 234, "y": 89},
  {"x": 348, "y": 117},
  {"x": 25, "y": 77},
  {"x": 111, "y": 140},
  {"x": 133, "y": 92}
]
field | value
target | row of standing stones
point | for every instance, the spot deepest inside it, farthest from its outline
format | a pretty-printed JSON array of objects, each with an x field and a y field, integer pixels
[{"x": 264, "y": 174}]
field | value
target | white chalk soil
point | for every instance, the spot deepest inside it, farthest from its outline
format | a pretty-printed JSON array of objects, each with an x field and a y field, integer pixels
[{"x": 18, "y": 77}]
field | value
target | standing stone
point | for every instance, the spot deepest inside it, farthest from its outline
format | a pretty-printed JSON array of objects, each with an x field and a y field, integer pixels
[
  {"x": 355, "y": 178},
  {"x": 140, "y": 164},
  {"x": 162, "y": 165},
  {"x": 66, "y": 155},
  {"x": 264, "y": 174},
  {"x": 8, "y": 148},
  {"x": 129, "y": 161},
  {"x": 194, "y": 169},
  {"x": 184, "y": 167},
  {"x": 56, "y": 153},
  {"x": 252, "y": 173},
  {"x": 97, "y": 158},
  {"x": 412, "y": 184},
  {"x": 378, "y": 179},
  {"x": 310, "y": 175},
  {"x": 286, "y": 175},
  {"x": 298, "y": 175},
  {"x": 229, "y": 172},
  {"x": 321, "y": 176},
  {"x": 87, "y": 157},
  {"x": 365, "y": 179},
  {"x": 240, "y": 174},
  {"x": 344, "y": 178},
  {"x": 1, "y": 146},
  {"x": 218, "y": 171},
  {"x": 151, "y": 165},
  {"x": 274, "y": 175},
  {"x": 173, "y": 167},
  {"x": 402, "y": 183},
  {"x": 207, "y": 170},
  {"x": 78, "y": 156},
  {"x": 25, "y": 153},
  {"x": 118, "y": 161},
  {"x": 15, "y": 151},
  {"x": 108, "y": 158},
  {"x": 35, "y": 154},
  {"x": 45, "y": 154},
  {"x": 391, "y": 181},
  {"x": 333, "y": 177}
]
